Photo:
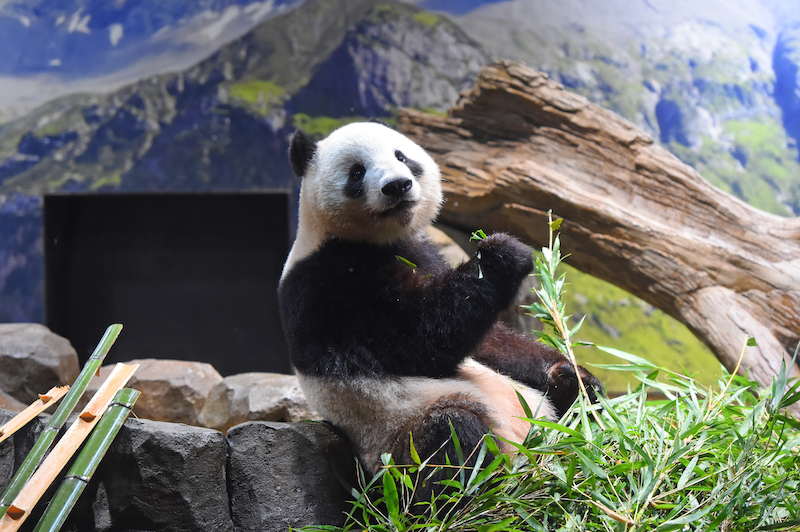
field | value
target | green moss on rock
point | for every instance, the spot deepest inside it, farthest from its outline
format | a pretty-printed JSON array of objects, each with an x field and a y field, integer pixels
[
  {"x": 321, "y": 126},
  {"x": 258, "y": 94},
  {"x": 429, "y": 19},
  {"x": 755, "y": 160}
]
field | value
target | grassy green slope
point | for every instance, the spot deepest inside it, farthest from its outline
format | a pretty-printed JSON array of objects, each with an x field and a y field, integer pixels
[
  {"x": 758, "y": 163},
  {"x": 615, "y": 318}
]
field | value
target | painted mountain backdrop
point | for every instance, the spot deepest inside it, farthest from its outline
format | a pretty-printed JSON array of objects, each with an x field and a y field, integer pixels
[{"x": 141, "y": 95}]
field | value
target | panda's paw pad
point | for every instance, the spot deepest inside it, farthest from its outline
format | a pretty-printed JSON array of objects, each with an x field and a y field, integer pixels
[{"x": 508, "y": 250}]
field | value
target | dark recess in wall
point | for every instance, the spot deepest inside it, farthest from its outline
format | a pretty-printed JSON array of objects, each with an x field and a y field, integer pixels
[{"x": 190, "y": 276}]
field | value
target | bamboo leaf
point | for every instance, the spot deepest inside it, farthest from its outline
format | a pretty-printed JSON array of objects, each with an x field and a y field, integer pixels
[
  {"x": 639, "y": 361},
  {"x": 456, "y": 444},
  {"x": 406, "y": 262},
  {"x": 589, "y": 465},
  {"x": 476, "y": 469},
  {"x": 688, "y": 473},
  {"x": 477, "y": 236},
  {"x": 414, "y": 454},
  {"x": 502, "y": 525},
  {"x": 555, "y": 256},
  {"x": 556, "y": 426},
  {"x": 391, "y": 499},
  {"x": 576, "y": 328}
]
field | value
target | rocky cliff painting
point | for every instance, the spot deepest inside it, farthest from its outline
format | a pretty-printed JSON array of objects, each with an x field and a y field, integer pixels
[{"x": 201, "y": 97}]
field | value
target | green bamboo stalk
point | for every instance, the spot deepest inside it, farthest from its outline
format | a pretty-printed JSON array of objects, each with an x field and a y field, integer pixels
[
  {"x": 46, "y": 438},
  {"x": 87, "y": 461}
]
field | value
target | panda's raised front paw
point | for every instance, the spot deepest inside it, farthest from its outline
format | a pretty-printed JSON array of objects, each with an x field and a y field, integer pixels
[
  {"x": 563, "y": 388},
  {"x": 506, "y": 253}
]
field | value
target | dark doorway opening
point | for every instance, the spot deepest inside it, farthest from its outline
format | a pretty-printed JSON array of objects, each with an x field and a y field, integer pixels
[{"x": 190, "y": 276}]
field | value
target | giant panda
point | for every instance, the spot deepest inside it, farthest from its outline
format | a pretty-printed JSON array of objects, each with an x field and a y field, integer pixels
[{"x": 386, "y": 338}]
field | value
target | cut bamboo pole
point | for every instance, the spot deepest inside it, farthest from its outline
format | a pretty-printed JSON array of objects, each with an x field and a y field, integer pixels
[
  {"x": 60, "y": 416},
  {"x": 44, "y": 402},
  {"x": 86, "y": 464},
  {"x": 22, "y": 505}
]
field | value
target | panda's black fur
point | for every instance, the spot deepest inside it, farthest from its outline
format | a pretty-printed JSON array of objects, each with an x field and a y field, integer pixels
[{"x": 386, "y": 338}]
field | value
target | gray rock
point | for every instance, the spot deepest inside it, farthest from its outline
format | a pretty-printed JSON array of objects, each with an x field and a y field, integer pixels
[
  {"x": 6, "y": 453},
  {"x": 159, "y": 476},
  {"x": 394, "y": 57},
  {"x": 33, "y": 360},
  {"x": 14, "y": 450},
  {"x": 287, "y": 474},
  {"x": 9, "y": 403},
  {"x": 172, "y": 390},
  {"x": 255, "y": 397}
]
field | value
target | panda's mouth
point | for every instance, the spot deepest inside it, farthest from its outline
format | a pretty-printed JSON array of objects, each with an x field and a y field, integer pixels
[{"x": 402, "y": 211}]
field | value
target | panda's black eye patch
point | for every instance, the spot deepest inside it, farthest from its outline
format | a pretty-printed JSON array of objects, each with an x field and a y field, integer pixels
[
  {"x": 414, "y": 166},
  {"x": 357, "y": 172},
  {"x": 354, "y": 188}
]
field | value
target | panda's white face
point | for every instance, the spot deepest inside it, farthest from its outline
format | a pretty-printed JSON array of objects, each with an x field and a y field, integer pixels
[
  {"x": 365, "y": 182},
  {"x": 368, "y": 182}
]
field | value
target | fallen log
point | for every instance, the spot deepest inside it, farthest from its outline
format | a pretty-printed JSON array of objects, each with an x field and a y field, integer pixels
[{"x": 518, "y": 144}]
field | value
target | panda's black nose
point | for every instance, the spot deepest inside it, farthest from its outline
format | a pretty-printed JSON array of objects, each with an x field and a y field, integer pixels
[{"x": 397, "y": 187}]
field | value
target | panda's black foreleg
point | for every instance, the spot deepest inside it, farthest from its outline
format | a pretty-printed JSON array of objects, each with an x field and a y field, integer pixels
[
  {"x": 537, "y": 365},
  {"x": 433, "y": 442}
]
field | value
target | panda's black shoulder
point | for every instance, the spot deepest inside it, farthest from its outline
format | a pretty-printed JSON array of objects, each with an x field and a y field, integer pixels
[
  {"x": 423, "y": 253},
  {"x": 336, "y": 259},
  {"x": 339, "y": 259}
]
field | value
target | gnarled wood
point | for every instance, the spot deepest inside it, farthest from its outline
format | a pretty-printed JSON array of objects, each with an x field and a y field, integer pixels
[{"x": 518, "y": 144}]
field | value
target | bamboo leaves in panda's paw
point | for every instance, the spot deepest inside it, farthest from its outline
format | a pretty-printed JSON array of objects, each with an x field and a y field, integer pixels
[{"x": 477, "y": 236}]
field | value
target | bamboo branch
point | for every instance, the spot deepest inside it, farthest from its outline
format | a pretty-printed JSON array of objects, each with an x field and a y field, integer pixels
[
  {"x": 44, "y": 402},
  {"x": 86, "y": 464},
  {"x": 21, "y": 507},
  {"x": 46, "y": 438}
]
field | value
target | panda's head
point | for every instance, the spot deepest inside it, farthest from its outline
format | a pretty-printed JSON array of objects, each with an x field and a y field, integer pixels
[{"x": 365, "y": 182}]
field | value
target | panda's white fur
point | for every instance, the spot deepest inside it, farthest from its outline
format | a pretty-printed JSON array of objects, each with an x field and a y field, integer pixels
[{"x": 374, "y": 410}]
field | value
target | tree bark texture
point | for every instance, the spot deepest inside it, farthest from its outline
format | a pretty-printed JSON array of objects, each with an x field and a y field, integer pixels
[{"x": 518, "y": 144}]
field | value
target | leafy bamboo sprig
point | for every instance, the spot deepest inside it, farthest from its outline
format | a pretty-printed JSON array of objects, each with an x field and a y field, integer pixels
[{"x": 550, "y": 308}]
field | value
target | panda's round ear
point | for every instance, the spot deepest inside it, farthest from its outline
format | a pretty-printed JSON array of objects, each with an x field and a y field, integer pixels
[
  {"x": 301, "y": 150},
  {"x": 381, "y": 122}
]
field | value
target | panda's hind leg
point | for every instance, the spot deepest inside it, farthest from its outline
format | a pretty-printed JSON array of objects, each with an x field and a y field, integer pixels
[
  {"x": 433, "y": 441},
  {"x": 536, "y": 365}
]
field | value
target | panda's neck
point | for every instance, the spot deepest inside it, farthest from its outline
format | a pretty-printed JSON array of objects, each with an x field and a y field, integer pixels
[
  {"x": 313, "y": 230},
  {"x": 310, "y": 238}
]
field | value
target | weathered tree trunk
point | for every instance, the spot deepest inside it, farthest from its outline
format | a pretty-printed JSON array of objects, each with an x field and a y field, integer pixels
[{"x": 518, "y": 144}]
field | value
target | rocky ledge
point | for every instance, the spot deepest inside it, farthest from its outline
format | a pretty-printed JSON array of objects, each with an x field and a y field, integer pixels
[
  {"x": 161, "y": 476},
  {"x": 270, "y": 471}
]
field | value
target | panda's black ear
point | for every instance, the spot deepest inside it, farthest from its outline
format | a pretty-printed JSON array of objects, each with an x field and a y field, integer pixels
[
  {"x": 301, "y": 151},
  {"x": 381, "y": 122}
]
